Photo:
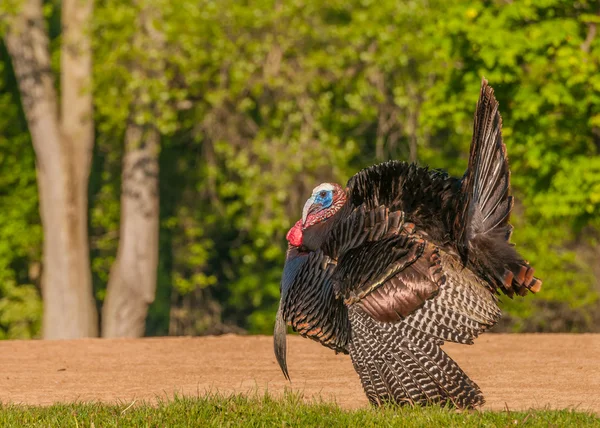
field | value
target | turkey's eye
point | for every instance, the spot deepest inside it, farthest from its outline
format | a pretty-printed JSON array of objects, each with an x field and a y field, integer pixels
[{"x": 323, "y": 193}]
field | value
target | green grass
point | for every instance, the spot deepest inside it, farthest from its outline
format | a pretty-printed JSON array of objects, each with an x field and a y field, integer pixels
[{"x": 291, "y": 410}]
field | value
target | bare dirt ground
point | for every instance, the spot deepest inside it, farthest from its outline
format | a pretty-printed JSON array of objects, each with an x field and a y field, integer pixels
[{"x": 517, "y": 372}]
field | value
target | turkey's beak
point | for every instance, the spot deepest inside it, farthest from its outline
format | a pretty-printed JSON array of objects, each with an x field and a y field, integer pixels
[
  {"x": 309, "y": 208},
  {"x": 279, "y": 342}
]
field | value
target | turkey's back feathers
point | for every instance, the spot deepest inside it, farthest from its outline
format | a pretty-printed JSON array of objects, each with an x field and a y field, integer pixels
[{"x": 426, "y": 197}]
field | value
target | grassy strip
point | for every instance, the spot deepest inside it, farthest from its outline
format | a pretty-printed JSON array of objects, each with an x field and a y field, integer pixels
[{"x": 265, "y": 411}]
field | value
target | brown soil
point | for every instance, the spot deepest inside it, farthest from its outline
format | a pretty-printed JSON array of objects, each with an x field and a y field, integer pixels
[{"x": 514, "y": 371}]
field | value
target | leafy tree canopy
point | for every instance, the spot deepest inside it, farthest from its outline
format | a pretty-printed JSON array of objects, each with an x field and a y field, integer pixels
[{"x": 262, "y": 100}]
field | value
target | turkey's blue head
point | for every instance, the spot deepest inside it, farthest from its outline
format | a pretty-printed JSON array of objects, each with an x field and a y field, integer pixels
[{"x": 325, "y": 201}]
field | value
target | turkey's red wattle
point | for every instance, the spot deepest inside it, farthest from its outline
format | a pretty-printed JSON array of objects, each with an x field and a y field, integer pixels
[{"x": 294, "y": 236}]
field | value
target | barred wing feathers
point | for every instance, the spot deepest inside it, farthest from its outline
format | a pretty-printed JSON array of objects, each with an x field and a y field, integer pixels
[{"x": 405, "y": 298}]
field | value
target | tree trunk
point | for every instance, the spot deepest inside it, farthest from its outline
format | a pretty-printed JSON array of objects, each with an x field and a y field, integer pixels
[
  {"x": 132, "y": 282},
  {"x": 63, "y": 155}
]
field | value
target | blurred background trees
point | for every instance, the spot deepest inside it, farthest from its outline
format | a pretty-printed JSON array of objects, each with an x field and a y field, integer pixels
[{"x": 238, "y": 109}]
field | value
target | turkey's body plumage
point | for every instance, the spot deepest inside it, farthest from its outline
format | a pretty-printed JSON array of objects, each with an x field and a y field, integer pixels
[
  {"x": 404, "y": 362},
  {"x": 412, "y": 259}
]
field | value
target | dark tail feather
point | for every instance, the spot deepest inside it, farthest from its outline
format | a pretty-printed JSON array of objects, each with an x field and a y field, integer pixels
[
  {"x": 395, "y": 366},
  {"x": 486, "y": 185},
  {"x": 485, "y": 204}
]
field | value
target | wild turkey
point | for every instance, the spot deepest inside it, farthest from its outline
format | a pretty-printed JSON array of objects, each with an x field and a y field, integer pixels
[{"x": 401, "y": 260}]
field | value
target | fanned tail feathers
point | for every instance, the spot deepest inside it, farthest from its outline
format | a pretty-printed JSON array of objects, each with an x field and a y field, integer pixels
[{"x": 485, "y": 205}]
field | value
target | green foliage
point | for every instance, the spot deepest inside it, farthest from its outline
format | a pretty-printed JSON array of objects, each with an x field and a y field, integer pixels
[
  {"x": 258, "y": 103},
  {"x": 20, "y": 230},
  {"x": 265, "y": 411},
  {"x": 546, "y": 78},
  {"x": 8, "y": 8}
]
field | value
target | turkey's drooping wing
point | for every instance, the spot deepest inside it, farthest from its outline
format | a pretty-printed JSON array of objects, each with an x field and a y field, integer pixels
[
  {"x": 401, "y": 361},
  {"x": 398, "y": 364},
  {"x": 381, "y": 264},
  {"x": 389, "y": 278},
  {"x": 406, "y": 297},
  {"x": 485, "y": 204}
]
